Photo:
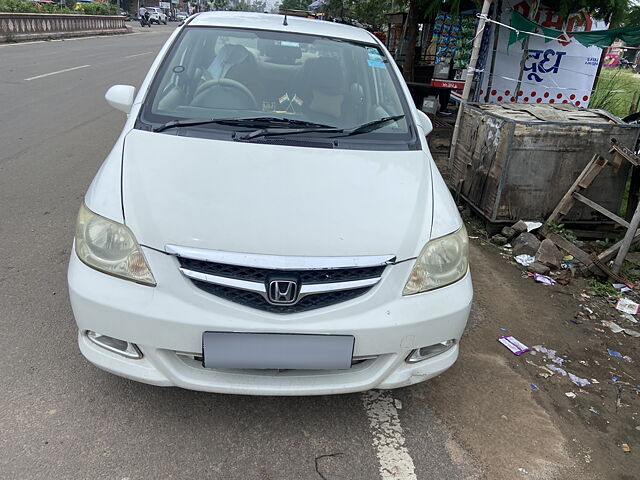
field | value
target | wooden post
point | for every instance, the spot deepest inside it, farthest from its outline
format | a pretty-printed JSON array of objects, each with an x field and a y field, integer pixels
[
  {"x": 626, "y": 243},
  {"x": 471, "y": 70},
  {"x": 634, "y": 103},
  {"x": 525, "y": 51}
]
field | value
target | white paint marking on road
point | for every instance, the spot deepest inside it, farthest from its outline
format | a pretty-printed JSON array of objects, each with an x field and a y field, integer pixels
[
  {"x": 388, "y": 436},
  {"x": 55, "y": 73},
  {"x": 138, "y": 54}
]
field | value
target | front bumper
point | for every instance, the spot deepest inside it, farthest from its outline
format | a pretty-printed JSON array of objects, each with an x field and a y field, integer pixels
[{"x": 167, "y": 322}]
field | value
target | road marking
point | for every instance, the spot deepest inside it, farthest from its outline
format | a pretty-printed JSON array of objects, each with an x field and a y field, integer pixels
[
  {"x": 55, "y": 73},
  {"x": 388, "y": 436},
  {"x": 138, "y": 54}
]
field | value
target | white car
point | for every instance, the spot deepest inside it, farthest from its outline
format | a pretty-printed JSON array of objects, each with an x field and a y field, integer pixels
[
  {"x": 157, "y": 15},
  {"x": 270, "y": 228},
  {"x": 180, "y": 16}
]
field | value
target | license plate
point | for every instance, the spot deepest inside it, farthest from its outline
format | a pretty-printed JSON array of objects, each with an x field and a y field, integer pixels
[{"x": 276, "y": 351}]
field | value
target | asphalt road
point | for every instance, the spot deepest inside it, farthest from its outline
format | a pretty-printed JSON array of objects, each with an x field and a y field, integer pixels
[{"x": 60, "y": 417}]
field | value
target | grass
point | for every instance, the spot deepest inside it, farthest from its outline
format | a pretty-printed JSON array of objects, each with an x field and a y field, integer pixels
[
  {"x": 615, "y": 90},
  {"x": 603, "y": 289}
]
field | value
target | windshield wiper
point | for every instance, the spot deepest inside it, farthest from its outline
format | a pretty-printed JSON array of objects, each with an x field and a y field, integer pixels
[
  {"x": 315, "y": 128},
  {"x": 240, "y": 122},
  {"x": 371, "y": 126}
]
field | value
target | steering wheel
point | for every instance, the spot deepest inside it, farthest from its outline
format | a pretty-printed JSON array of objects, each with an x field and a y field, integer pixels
[{"x": 225, "y": 82}]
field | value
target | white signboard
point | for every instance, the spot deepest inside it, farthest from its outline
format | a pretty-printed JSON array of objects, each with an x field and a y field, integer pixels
[
  {"x": 164, "y": 4},
  {"x": 555, "y": 71}
]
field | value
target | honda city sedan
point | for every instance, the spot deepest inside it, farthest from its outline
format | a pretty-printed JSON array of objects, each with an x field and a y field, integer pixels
[{"x": 270, "y": 220}]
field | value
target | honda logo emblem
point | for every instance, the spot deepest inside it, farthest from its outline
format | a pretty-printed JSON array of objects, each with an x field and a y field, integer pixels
[{"x": 283, "y": 292}]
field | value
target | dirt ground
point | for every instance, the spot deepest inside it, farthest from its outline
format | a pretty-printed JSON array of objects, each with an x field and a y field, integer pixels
[{"x": 508, "y": 412}]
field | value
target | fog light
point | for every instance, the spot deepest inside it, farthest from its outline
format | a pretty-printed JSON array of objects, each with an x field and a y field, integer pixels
[
  {"x": 423, "y": 353},
  {"x": 115, "y": 345}
]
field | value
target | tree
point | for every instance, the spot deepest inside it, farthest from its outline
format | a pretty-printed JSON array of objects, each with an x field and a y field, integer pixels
[{"x": 295, "y": 4}]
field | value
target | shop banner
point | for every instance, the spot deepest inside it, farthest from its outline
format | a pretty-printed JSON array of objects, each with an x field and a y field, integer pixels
[{"x": 555, "y": 71}]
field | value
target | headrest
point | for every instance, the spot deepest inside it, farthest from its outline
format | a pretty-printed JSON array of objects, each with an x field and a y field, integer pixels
[{"x": 324, "y": 74}]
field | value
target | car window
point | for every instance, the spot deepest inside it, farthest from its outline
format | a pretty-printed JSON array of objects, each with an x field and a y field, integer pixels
[{"x": 237, "y": 73}]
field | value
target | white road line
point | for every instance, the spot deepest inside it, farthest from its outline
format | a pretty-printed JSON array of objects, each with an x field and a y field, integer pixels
[
  {"x": 388, "y": 437},
  {"x": 138, "y": 54},
  {"x": 55, "y": 73}
]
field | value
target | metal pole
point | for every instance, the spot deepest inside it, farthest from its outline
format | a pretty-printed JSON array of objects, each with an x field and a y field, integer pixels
[{"x": 471, "y": 70}]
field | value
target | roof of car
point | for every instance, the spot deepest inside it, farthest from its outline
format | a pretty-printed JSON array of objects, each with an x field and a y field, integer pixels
[{"x": 267, "y": 21}]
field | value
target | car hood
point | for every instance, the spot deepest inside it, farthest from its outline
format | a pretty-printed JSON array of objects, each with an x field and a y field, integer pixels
[{"x": 274, "y": 199}]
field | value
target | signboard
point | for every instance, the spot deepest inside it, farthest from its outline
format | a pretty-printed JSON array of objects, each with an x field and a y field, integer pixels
[
  {"x": 164, "y": 4},
  {"x": 555, "y": 71},
  {"x": 453, "y": 84},
  {"x": 174, "y": 2}
]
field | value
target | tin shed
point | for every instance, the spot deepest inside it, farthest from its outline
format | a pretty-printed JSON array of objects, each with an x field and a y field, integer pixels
[{"x": 516, "y": 162}]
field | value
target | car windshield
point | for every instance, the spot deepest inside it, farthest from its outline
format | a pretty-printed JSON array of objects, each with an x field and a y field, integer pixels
[{"x": 217, "y": 73}]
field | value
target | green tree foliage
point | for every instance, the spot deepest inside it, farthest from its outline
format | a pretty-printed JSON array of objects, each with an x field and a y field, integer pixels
[
  {"x": 295, "y": 4},
  {"x": 20, "y": 6}
]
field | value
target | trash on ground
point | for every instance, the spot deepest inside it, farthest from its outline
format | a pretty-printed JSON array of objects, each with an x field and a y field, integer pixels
[
  {"x": 531, "y": 226},
  {"x": 622, "y": 287},
  {"x": 504, "y": 329},
  {"x": 593, "y": 410},
  {"x": 516, "y": 347},
  {"x": 581, "y": 382},
  {"x": 613, "y": 353},
  {"x": 614, "y": 327},
  {"x": 550, "y": 354},
  {"x": 627, "y": 306},
  {"x": 543, "y": 279},
  {"x": 628, "y": 358},
  {"x": 533, "y": 386},
  {"x": 522, "y": 470},
  {"x": 626, "y": 448},
  {"x": 524, "y": 259},
  {"x": 629, "y": 318},
  {"x": 397, "y": 403},
  {"x": 570, "y": 394},
  {"x": 614, "y": 379},
  {"x": 594, "y": 381}
]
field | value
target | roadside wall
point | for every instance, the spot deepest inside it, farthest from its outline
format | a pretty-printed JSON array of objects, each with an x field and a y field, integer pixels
[{"x": 37, "y": 26}]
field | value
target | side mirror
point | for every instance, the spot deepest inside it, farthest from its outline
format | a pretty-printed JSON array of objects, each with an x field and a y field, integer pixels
[
  {"x": 425, "y": 122},
  {"x": 121, "y": 97}
]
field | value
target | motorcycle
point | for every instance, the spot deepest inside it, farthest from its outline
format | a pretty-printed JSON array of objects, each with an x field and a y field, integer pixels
[{"x": 145, "y": 20}]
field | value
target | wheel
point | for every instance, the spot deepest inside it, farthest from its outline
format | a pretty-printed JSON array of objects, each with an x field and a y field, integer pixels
[{"x": 165, "y": 22}]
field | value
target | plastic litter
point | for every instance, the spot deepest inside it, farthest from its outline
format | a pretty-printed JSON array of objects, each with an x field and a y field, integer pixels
[
  {"x": 628, "y": 358},
  {"x": 581, "y": 382},
  {"x": 622, "y": 287},
  {"x": 593, "y": 410},
  {"x": 543, "y": 279},
  {"x": 614, "y": 379},
  {"x": 570, "y": 395},
  {"x": 629, "y": 318},
  {"x": 516, "y": 347},
  {"x": 531, "y": 226},
  {"x": 534, "y": 387},
  {"x": 504, "y": 329},
  {"x": 550, "y": 354},
  {"x": 626, "y": 447},
  {"x": 594, "y": 381},
  {"x": 613, "y": 353},
  {"x": 614, "y": 327},
  {"x": 524, "y": 259},
  {"x": 627, "y": 306}
]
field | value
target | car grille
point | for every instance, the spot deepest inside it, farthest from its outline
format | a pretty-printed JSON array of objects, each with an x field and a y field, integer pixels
[{"x": 332, "y": 279}]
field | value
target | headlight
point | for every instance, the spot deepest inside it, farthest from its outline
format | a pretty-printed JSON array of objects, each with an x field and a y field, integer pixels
[
  {"x": 110, "y": 247},
  {"x": 441, "y": 262}
]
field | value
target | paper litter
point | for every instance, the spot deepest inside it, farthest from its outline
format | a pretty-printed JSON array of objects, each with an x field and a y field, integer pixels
[
  {"x": 516, "y": 347},
  {"x": 627, "y": 306}
]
